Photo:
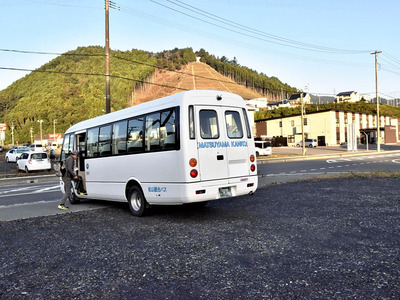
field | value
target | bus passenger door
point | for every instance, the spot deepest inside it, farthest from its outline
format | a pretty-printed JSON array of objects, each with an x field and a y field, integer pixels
[
  {"x": 211, "y": 143},
  {"x": 81, "y": 140}
]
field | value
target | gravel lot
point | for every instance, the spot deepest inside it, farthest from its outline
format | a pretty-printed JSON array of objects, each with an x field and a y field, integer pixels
[{"x": 321, "y": 239}]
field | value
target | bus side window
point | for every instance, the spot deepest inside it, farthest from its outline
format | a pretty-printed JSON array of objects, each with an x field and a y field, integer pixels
[
  {"x": 119, "y": 138},
  {"x": 135, "y": 135},
  {"x": 209, "y": 124},
  {"x": 152, "y": 140},
  {"x": 167, "y": 130},
  {"x": 233, "y": 124},
  {"x": 105, "y": 140},
  {"x": 246, "y": 119},
  {"x": 65, "y": 147},
  {"x": 92, "y": 142}
]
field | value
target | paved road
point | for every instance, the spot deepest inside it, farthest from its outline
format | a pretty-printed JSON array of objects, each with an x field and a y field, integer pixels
[
  {"x": 284, "y": 171},
  {"x": 37, "y": 199},
  {"x": 281, "y": 243}
]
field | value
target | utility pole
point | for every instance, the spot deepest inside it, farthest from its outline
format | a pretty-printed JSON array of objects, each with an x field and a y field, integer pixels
[
  {"x": 31, "y": 132},
  {"x": 12, "y": 133},
  {"x": 108, "y": 98},
  {"x": 303, "y": 143},
  {"x": 378, "y": 129},
  {"x": 41, "y": 136},
  {"x": 54, "y": 130}
]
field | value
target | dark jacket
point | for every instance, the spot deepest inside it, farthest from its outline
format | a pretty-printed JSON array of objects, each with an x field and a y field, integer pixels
[{"x": 69, "y": 167}]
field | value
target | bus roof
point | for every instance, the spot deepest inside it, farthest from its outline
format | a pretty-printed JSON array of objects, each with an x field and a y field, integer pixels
[{"x": 204, "y": 97}]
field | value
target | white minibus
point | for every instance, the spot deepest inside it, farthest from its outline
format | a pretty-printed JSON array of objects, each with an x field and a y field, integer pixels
[{"x": 189, "y": 147}]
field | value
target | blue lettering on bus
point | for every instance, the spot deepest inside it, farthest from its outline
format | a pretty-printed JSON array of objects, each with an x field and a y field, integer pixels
[
  {"x": 223, "y": 144},
  {"x": 157, "y": 189}
]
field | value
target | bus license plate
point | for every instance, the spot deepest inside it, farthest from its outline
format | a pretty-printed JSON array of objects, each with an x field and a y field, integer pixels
[{"x": 225, "y": 192}]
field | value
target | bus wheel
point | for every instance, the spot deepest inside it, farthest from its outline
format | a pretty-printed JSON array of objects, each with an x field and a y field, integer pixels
[
  {"x": 74, "y": 199},
  {"x": 137, "y": 202}
]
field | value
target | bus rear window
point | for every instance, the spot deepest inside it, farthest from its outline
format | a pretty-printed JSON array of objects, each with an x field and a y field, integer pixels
[
  {"x": 233, "y": 124},
  {"x": 209, "y": 124}
]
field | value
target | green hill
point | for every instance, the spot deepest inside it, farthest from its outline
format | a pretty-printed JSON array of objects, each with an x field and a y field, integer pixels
[{"x": 71, "y": 87}]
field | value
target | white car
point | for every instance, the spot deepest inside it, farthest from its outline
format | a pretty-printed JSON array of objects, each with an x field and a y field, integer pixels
[
  {"x": 263, "y": 148},
  {"x": 311, "y": 143},
  {"x": 14, "y": 154},
  {"x": 34, "y": 161}
]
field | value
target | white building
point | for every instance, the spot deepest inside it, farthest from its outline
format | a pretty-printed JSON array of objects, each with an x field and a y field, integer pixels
[
  {"x": 330, "y": 127},
  {"x": 295, "y": 99},
  {"x": 350, "y": 96},
  {"x": 257, "y": 102}
]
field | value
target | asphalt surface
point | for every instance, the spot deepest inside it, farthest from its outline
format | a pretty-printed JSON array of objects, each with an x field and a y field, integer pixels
[{"x": 316, "y": 239}]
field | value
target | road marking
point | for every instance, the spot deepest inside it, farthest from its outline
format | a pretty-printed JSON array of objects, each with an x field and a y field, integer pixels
[
  {"x": 28, "y": 203},
  {"x": 47, "y": 189},
  {"x": 27, "y": 193}
]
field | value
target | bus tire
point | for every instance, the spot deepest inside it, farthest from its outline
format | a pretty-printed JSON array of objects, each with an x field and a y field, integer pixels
[
  {"x": 74, "y": 199},
  {"x": 137, "y": 201}
]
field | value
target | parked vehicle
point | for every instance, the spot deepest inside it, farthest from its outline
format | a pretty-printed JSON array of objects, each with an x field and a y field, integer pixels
[
  {"x": 14, "y": 154},
  {"x": 37, "y": 147},
  {"x": 309, "y": 143},
  {"x": 33, "y": 161},
  {"x": 263, "y": 148}
]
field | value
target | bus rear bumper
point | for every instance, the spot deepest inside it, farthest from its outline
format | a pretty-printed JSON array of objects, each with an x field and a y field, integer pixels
[{"x": 202, "y": 191}]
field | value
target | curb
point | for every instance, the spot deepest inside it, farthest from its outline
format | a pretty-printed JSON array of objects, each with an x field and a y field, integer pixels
[{"x": 28, "y": 179}]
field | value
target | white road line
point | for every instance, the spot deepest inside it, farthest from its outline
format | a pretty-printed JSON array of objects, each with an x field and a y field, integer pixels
[{"x": 28, "y": 203}]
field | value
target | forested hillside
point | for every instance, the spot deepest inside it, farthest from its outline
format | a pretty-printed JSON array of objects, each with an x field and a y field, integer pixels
[
  {"x": 270, "y": 87},
  {"x": 71, "y": 87}
]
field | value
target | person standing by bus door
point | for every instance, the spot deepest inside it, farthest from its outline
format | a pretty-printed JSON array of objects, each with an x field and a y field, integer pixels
[{"x": 68, "y": 177}]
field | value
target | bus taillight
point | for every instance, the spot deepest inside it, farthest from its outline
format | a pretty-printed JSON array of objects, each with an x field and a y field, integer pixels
[
  {"x": 193, "y": 162},
  {"x": 194, "y": 173},
  {"x": 253, "y": 167},
  {"x": 252, "y": 158}
]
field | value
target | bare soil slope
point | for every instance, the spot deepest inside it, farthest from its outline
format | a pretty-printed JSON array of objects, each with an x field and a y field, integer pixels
[{"x": 195, "y": 76}]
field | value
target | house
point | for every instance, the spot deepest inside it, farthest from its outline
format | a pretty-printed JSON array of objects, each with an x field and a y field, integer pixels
[
  {"x": 350, "y": 96},
  {"x": 276, "y": 104},
  {"x": 295, "y": 99},
  {"x": 257, "y": 102}
]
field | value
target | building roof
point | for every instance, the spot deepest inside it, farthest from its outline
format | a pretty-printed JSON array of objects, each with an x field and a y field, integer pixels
[
  {"x": 346, "y": 93},
  {"x": 297, "y": 96}
]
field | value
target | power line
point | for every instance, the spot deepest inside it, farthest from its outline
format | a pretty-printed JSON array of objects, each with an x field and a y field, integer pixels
[
  {"x": 133, "y": 61},
  {"x": 91, "y": 74},
  {"x": 251, "y": 32}
]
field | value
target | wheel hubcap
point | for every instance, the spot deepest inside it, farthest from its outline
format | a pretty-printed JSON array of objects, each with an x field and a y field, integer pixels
[{"x": 135, "y": 201}]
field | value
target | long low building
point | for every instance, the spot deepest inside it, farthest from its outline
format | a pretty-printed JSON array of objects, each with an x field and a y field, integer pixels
[{"x": 331, "y": 127}]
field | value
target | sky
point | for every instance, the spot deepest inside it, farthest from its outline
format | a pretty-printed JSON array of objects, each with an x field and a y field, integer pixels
[{"x": 321, "y": 47}]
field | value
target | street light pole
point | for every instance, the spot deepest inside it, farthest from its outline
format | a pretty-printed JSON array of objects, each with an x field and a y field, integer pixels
[
  {"x": 378, "y": 127},
  {"x": 303, "y": 142}
]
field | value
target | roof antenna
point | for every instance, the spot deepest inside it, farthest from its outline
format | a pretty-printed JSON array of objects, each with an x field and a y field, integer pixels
[{"x": 219, "y": 97}]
